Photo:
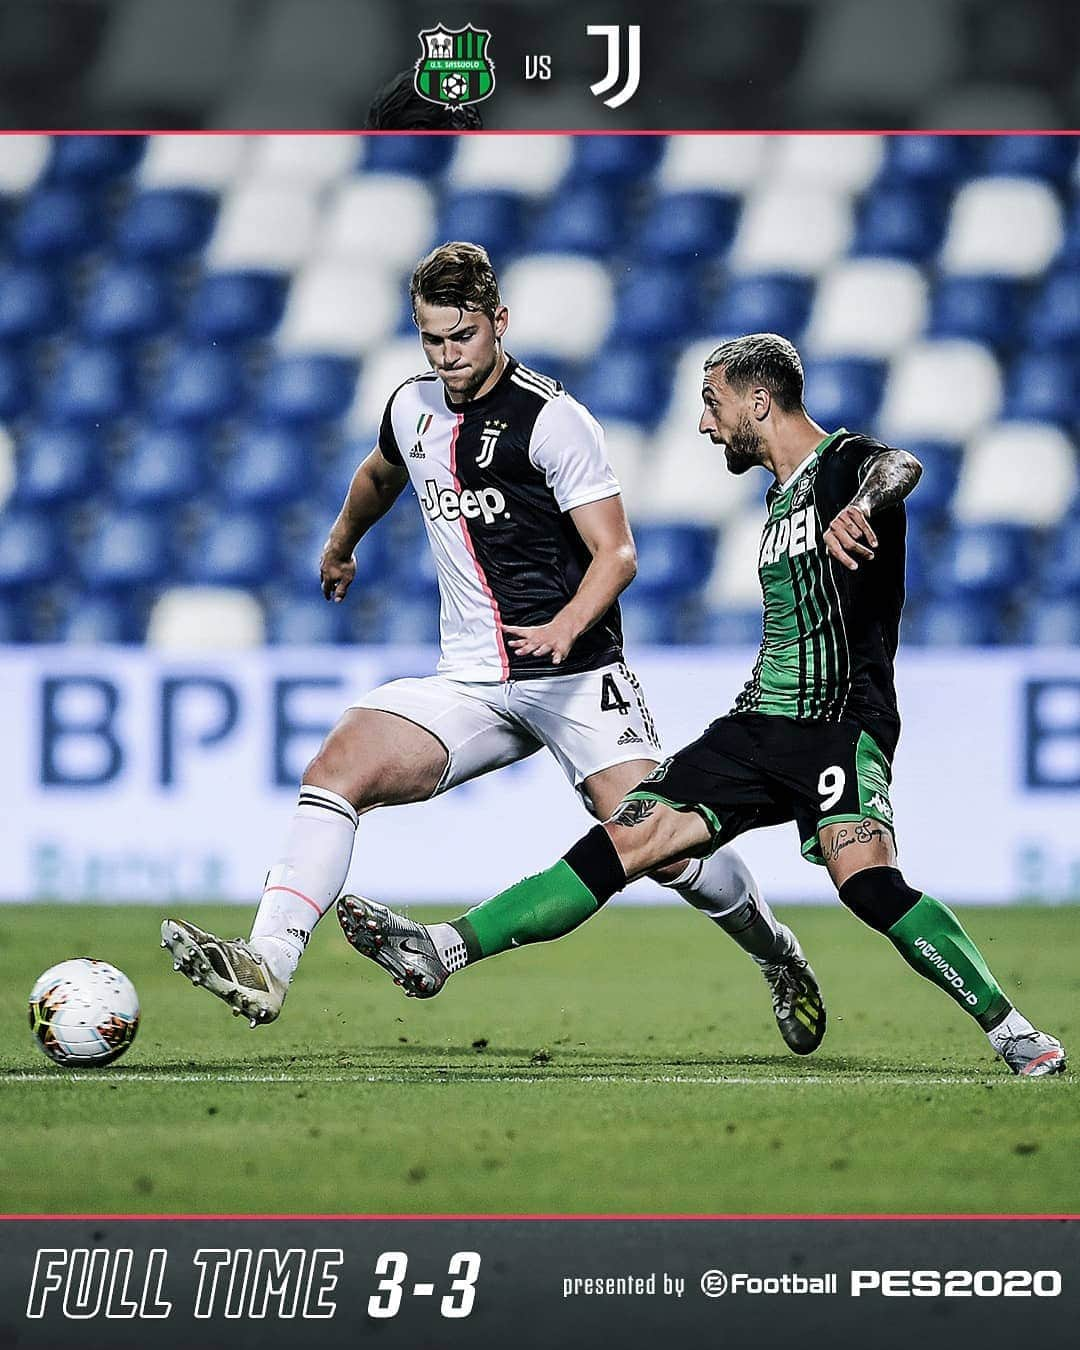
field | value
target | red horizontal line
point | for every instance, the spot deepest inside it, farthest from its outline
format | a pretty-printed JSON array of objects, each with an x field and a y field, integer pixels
[{"x": 573, "y": 1218}]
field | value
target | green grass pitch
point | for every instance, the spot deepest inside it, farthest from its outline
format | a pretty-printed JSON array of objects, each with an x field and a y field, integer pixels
[{"x": 632, "y": 1067}]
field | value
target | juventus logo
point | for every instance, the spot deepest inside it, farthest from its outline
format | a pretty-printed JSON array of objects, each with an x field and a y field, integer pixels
[
  {"x": 488, "y": 440},
  {"x": 610, "y": 31}
]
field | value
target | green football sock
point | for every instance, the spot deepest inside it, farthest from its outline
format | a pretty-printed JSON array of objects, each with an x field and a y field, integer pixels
[
  {"x": 931, "y": 940},
  {"x": 537, "y": 909}
]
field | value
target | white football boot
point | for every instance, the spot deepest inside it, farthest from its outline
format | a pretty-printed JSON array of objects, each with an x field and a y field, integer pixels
[{"x": 231, "y": 970}]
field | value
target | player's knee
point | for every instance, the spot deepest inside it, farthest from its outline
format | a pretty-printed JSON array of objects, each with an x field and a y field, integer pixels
[
  {"x": 879, "y": 896},
  {"x": 346, "y": 774}
]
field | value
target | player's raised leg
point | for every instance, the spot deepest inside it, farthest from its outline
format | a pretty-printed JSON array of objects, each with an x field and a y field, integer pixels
[
  {"x": 861, "y": 858},
  {"x": 371, "y": 758}
]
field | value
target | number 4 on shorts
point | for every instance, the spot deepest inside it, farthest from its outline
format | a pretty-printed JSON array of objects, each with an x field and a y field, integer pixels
[{"x": 610, "y": 698}]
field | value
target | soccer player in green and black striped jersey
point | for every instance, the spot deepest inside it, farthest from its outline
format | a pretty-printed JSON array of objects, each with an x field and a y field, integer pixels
[{"x": 811, "y": 736}]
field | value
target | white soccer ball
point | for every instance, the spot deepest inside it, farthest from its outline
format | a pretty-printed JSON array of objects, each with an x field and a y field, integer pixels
[
  {"x": 454, "y": 86},
  {"x": 84, "y": 1013}
]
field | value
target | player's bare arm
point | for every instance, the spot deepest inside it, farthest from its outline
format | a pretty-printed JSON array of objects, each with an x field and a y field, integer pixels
[
  {"x": 606, "y": 533},
  {"x": 375, "y": 486},
  {"x": 889, "y": 479}
]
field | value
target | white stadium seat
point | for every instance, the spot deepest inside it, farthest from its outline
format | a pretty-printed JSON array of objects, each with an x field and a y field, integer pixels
[
  {"x": 847, "y": 163},
  {"x": 792, "y": 229},
  {"x": 205, "y": 618},
  {"x": 356, "y": 221},
  {"x": 1021, "y": 472},
  {"x": 712, "y": 163},
  {"x": 339, "y": 308},
  {"x": 8, "y": 466},
  {"x": 627, "y": 451},
  {"x": 391, "y": 364},
  {"x": 560, "y": 305},
  {"x": 316, "y": 160},
  {"x": 870, "y": 307},
  {"x": 532, "y": 169},
  {"x": 264, "y": 225},
  {"x": 687, "y": 479},
  {"x": 1002, "y": 227},
  {"x": 734, "y": 583},
  {"x": 23, "y": 159},
  {"x": 943, "y": 390},
  {"x": 211, "y": 163}
]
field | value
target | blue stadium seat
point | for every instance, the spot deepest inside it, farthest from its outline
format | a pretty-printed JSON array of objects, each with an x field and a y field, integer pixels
[
  {"x": 234, "y": 549},
  {"x": 126, "y": 548},
  {"x": 1049, "y": 157},
  {"x": 407, "y": 620},
  {"x": 725, "y": 628},
  {"x": 586, "y": 220},
  {"x": 684, "y": 225},
  {"x": 494, "y": 219},
  {"x": 950, "y": 622},
  {"x": 92, "y": 385},
  {"x": 844, "y": 392},
  {"x": 421, "y": 156},
  {"x": 58, "y": 222},
  {"x": 93, "y": 159},
  {"x": 1052, "y": 623},
  {"x": 941, "y": 466},
  {"x": 937, "y": 160},
  {"x": 301, "y": 567},
  {"x": 235, "y": 306},
  {"x": 1054, "y": 317},
  {"x": 33, "y": 303},
  {"x": 647, "y": 620},
  {"x": 32, "y": 549},
  {"x": 97, "y": 620},
  {"x": 412, "y": 574},
  {"x": 307, "y": 389},
  {"x": 200, "y": 385},
  {"x": 303, "y": 620},
  {"x": 985, "y": 309},
  {"x": 1059, "y": 574},
  {"x": 673, "y": 560},
  {"x": 900, "y": 222},
  {"x": 58, "y": 465},
  {"x": 128, "y": 302},
  {"x": 165, "y": 466},
  {"x": 770, "y": 303},
  {"x": 1043, "y": 387},
  {"x": 269, "y": 466},
  {"x": 12, "y": 623},
  {"x": 166, "y": 223},
  {"x": 617, "y": 159},
  {"x": 16, "y": 391},
  {"x": 1070, "y": 248},
  {"x": 985, "y": 561},
  {"x": 628, "y": 384},
  {"x": 657, "y": 304}
]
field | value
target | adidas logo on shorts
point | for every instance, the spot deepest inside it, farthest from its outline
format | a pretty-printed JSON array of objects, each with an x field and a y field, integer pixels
[{"x": 629, "y": 737}]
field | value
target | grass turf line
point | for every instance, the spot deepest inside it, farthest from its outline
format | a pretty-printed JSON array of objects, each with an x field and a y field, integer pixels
[{"x": 632, "y": 1067}]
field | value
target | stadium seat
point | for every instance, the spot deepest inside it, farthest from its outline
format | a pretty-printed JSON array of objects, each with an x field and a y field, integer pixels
[
  {"x": 647, "y": 620},
  {"x": 623, "y": 160},
  {"x": 673, "y": 560},
  {"x": 241, "y": 241},
  {"x": 199, "y": 386},
  {"x": 1054, "y": 317},
  {"x": 301, "y": 567},
  {"x": 628, "y": 446},
  {"x": 946, "y": 389},
  {"x": 656, "y": 303},
  {"x": 355, "y": 230},
  {"x": 925, "y": 161},
  {"x": 985, "y": 309},
  {"x": 92, "y": 385},
  {"x": 93, "y": 159},
  {"x": 32, "y": 549},
  {"x": 390, "y": 365},
  {"x": 981, "y": 560},
  {"x": 164, "y": 466},
  {"x": 900, "y": 222},
  {"x": 339, "y": 309},
  {"x": 1049, "y": 157},
  {"x": 629, "y": 383},
  {"x": 33, "y": 303},
  {"x": 15, "y": 385},
  {"x": 419, "y": 156},
  {"x": 129, "y": 302},
  {"x": 729, "y": 164},
  {"x": 1009, "y": 227},
  {"x": 59, "y": 465},
  {"x": 844, "y": 392},
  {"x": 1070, "y": 248},
  {"x": 57, "y": 222},
  {"x": 314, "y": 160},
  {"x": 301, "y": 621},
  {"x": 949, "y": 622},
  {"x": 1019, "y": 472},
  {"x": 90, "y": 620},
  {"x": 236, "y": 306},
  {"x": 164, "y": 224},
  {"x": 126, "y": 548},
  {"x": 208, "y": 163},
  {"x": 1052, "y": 623},
  {"x": 301, "y": 389},
  {"x": 1043, "y": 387},
  {"x": 586, "y": 219},
  {"x": 681, "y": 226},
  {"x": 205, "y": 618},
  {"x": 412, "y": 574},
  {"x": 232, "y": 549},
  {"x": 733, "y": 584},
  {"x": 842, "y": 163},
  {"x": 765, "y": 241},
  {"x": 867, "y": 307},
  {"x": 8, "y": 466},
  {"x": 497, "y": 164},
  {"x": 24, "y": 163},
  {"x": 496, "y": 220},
  {"x": 762, "y": 304},
  {"x": 268, "y": 467},
  {"x": 545, "y": 290},
  {"x": 940, "y": 466},
  {"x": 724, "y": 628},
  {"x": 408, "y": 621},
  {"x": 1059, "y": 573}
]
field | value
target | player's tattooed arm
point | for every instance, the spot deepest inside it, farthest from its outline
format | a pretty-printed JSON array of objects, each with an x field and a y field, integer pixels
[
  {"x": 633, "y": 812},
  {"x": 890, "y": 477}
]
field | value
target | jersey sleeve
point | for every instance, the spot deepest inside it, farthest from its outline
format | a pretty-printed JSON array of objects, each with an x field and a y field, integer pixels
[
  {"x": 387, "y": 439},
  {"x": 567, "y": 446},
  {"x": 847, "y": 467}
]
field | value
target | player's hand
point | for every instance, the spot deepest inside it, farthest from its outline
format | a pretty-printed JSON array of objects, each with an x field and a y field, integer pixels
[
  {"x": 336, "y": 573},
  {"x": 552, "y": 639},
  {"x": 849, "y": 538}
]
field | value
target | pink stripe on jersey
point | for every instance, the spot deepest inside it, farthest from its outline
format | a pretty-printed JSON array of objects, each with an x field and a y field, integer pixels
[{"x": 504, "y": 659}]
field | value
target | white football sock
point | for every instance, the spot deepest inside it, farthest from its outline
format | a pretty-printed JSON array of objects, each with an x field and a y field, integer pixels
[
  {"x": 1012, "y": 1024},
  {"x": 723, "y": 887},
  {"x": 449, "y": 944},
  {"x": 306, "y": 880}
]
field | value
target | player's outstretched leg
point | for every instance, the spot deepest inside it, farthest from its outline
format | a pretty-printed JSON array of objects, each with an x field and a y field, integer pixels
[
  {"x": 932, "y": 941},
  {"x": 400, "y": 945},
  {"x": 232, "y": 970}
]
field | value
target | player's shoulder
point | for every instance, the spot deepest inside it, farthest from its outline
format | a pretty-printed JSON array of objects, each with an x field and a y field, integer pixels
[
  {"x": 423, "y": 387},
  {"x": 852, "y": 445},
  {"x": 533, "y": 387}
]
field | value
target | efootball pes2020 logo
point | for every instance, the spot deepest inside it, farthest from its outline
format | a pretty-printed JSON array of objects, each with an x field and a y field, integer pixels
[{"x": 455, "y": 68}]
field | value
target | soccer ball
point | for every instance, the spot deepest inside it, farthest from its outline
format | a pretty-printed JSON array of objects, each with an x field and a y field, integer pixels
[
  {"x": 454, "y": 87},
  {"x": 84, "y": 1013}
]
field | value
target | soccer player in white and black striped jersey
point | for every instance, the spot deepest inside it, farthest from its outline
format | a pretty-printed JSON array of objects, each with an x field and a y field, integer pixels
[{"x": 532, "y": 548}]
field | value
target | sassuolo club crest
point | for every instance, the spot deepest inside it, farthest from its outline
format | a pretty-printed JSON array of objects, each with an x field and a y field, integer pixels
[{"x": 455, "y": 67}]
